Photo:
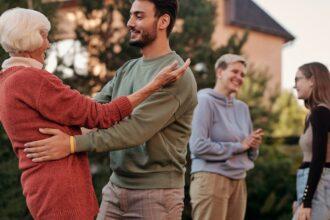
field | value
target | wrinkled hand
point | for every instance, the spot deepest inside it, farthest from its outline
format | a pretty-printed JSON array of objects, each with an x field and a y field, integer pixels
[
  {"x": 53, "y": 148},
  {"x": 304, "y": 213},
  {"x": 170, "y": 74}
]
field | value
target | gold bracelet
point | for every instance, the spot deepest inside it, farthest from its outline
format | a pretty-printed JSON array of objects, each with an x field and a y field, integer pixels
[{"x": 72, "y": 144}]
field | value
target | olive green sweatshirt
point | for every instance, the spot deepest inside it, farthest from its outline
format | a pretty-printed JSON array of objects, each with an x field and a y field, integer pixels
[{"x": 148, "y": 148}]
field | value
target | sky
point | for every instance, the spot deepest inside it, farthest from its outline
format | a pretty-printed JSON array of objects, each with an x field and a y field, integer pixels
[{"x": 309, "y": 22}]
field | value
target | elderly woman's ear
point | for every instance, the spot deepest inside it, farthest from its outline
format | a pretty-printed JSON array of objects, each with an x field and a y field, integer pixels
[{"x": 20, "y": 30}]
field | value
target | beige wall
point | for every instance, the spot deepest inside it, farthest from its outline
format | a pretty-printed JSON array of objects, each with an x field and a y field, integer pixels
[{"x": 263, "y": 51}]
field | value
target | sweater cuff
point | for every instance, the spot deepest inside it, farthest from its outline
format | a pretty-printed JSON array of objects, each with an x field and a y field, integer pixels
[
  {"x": 83, "y": 143},
  {"x": 307, "y": 199},
  {"x": 124, "y": 105},
  {"x": 237, "y": 148}
]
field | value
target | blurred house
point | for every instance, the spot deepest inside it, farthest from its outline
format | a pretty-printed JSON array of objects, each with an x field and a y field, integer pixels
[
  {"x": 263, "y": 48},
  {"x": 266, "y": 37}
]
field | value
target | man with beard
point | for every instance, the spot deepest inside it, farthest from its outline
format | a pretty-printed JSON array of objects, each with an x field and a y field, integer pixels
[{"x": 149, "y": 148}]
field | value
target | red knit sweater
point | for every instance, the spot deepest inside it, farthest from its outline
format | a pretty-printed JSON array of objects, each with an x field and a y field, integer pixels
[{"x": 31, "y": 99}]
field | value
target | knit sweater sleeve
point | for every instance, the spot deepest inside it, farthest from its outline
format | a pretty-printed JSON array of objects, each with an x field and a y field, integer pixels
[
  {"x": 320, "y": 121},
  {"x": 147, "y": 119},
  {"x": 58, "y": 103},
  {"x": 252, "y": 153},
  {"x": 200, "y": 143}
]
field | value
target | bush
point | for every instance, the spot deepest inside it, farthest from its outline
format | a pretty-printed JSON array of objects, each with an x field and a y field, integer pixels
[{"x": 271, "y": 184}]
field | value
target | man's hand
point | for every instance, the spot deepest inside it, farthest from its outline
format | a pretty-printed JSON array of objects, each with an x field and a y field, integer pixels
[
  {"x": 304, "y": 213},
  {"x": 170, "y": 74},
  {"x": 53, "y": 148}
]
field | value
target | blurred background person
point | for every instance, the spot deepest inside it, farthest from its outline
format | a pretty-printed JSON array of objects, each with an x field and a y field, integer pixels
[
  {"x": 312, "y": 83},
  {"x": 223, "y": 145}
]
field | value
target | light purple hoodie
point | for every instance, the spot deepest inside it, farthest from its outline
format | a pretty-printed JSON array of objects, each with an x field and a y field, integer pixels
[{"x": 218, "y": 128}]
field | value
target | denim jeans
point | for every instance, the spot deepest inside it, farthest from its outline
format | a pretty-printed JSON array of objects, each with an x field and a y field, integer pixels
[{"x": 321, "y": 198}]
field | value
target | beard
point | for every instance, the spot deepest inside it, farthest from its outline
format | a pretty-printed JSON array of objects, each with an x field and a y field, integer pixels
[{"x": 146, "y": 38}]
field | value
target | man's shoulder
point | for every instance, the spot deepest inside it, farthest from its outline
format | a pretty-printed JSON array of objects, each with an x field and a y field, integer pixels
[{"x": 127, "y": 66}]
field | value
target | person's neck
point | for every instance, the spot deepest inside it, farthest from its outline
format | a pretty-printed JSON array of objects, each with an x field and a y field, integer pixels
[
  {"x": 21, "y": 61},
  {"x": 221, "y": 90},
  {"x": 157, "y": 48}
]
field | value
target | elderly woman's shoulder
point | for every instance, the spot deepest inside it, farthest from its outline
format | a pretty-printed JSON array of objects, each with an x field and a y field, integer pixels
[
  {"x": 31, "y": 73},
  {"x": 32, "y": 76}
]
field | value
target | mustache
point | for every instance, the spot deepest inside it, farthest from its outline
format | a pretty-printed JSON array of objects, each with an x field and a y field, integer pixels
[{"x": 133, "y": 29}]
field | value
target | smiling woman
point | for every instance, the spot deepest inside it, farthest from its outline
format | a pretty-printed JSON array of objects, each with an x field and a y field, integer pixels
[
  {"x": 31, "y": 98},
  {"x": 313, "y": 177},
  {"x": 223, "y": 145}
]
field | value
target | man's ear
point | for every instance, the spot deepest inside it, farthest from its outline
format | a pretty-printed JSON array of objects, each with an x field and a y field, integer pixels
[{"x": 164, "y": 21}]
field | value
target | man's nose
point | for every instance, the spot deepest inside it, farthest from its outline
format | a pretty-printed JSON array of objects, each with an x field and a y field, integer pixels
[{"x": 130, "y": 23}]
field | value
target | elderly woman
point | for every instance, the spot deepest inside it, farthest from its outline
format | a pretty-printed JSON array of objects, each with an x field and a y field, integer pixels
[{"x": 31, "y": 97}]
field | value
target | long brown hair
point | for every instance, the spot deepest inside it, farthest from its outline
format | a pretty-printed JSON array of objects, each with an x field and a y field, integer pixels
[{"x": 320, "y": 75}]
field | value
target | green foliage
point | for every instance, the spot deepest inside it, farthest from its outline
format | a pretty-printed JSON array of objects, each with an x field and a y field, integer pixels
[
  {"x": 194, "y": 38},
  {"x": 291, "y": 116},
  {"x": 103, "y": 47},
  {"x": 277, "y": 113},
  {"x": 271, "y": 184}
]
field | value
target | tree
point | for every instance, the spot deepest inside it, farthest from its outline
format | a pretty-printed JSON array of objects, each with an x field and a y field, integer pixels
[
  {"x": 291, "y": 116},
  {"x": 277, "y": 113},
  {"x": 102, "y": 32},
  {"x": 271, "y": 184}
]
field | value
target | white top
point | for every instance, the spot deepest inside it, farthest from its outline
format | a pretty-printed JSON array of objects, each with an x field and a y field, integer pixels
[{"x": 21, "y": 61}]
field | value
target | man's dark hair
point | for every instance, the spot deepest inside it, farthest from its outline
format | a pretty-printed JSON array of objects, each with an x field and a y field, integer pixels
[{"x": 169, "y": 7}]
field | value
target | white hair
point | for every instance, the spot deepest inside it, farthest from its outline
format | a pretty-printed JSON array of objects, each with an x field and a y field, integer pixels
[{"x": 20, "y": 30}]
